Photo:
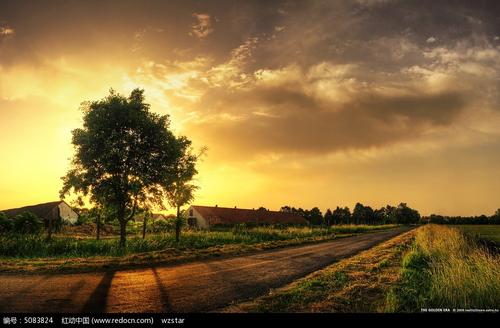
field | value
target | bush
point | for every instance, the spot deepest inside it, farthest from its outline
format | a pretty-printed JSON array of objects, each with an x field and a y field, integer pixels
[
  {"x": 85, "y": 219},
  {"x": 27, "y": 223},
  {"x": 162, "y": 225},
  {"x": 6, "y": 224},
  {"x": 240, "y": 228}
]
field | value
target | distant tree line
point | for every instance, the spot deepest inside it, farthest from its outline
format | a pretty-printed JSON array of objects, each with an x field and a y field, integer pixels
[
  {"x": 361, "y": 214},
  {"x": 401, "y": 214},
  {"x": 481, "y": 219}
]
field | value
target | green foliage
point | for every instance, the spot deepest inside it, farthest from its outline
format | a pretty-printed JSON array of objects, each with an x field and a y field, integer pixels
[
  {"x": 35, "y": 246},
  {"x": 341, "y": 215},
  {"x": 179, "y": 221},
  {"x": 402, "y": 214},
  {"x": 481, "y": 219},
  {"x": 6, "y": 224},
  {"x": 413, "y": 290},
  {"x": 126, "y": 157},
  {"x": 240, "y": 228},
  {"x": 85, "y": 218},
  {"x": 162, "y": 225},
  {"x": 28, "y": 223}
]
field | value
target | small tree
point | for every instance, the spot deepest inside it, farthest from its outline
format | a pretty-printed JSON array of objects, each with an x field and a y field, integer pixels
[
  {"x": 181, "y": 191},
  {"x": 98, "y": 213},
  {"x": 179, "y": 195},
  {"x": 328, "y": 217},
  {"x": 358, "y": 213}
]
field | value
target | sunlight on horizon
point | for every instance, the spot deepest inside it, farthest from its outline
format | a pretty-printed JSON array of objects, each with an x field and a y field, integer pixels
[{"x": 326, "y": 124}]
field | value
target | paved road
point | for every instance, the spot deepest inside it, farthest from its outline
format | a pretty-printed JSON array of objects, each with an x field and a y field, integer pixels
[{"x": 192, "y": 287}]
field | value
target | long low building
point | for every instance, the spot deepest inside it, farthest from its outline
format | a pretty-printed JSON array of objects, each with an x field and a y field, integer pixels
[
  {"x": 206, "y": 216},
  {"x": 47, "y": 211}
]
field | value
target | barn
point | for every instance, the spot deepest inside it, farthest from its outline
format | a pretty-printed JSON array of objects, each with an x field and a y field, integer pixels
[
  {"x": 47, "y": 211},
  {"x": 206, "y": 216}
]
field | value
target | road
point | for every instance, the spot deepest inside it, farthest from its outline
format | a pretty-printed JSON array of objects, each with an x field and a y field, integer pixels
[{"x": 191, "y": 287}]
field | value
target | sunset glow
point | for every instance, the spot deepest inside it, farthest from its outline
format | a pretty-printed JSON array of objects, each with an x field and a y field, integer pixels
[{"x": 301, "y": 103}]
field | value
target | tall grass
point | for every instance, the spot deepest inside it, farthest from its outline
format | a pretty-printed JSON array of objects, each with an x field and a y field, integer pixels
[
  {"x": 36, "y": 246},
  {"x": 447, "y": 269}
]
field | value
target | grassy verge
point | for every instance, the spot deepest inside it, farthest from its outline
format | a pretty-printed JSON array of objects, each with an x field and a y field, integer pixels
[
  {"x": 356, "y": 284},
  {"x": 446, "y": 269},
  {"x": 84, "y": 255}
]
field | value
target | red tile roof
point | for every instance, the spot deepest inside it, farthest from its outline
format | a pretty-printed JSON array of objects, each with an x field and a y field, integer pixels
[{"x": 224, "y": 215}]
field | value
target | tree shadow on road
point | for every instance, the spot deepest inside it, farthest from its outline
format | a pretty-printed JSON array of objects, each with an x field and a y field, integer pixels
[
  {"x": 97, "y": 301},
  {"x": 165, "y": 300}
]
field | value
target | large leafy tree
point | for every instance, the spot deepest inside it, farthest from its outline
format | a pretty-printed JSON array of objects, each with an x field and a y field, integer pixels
[{"x": 125, "y": 156}]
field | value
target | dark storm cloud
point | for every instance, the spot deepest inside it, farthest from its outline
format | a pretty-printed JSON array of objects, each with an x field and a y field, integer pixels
[
  {"x": 296, "y": 122},
  {"x": 340, "y": 74},
  {"x": 56, "y": 28},
  {"x": 368, "y": 31}
]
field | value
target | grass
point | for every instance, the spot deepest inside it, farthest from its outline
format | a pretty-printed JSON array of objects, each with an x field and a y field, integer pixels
[
  {"x": 486, "y": 232},
  {"x": 445, "y": 268},
  {"x": 35, "y": 246},
  {"x": 356, "y": 284},
  {"x": 34, "y": 253}
]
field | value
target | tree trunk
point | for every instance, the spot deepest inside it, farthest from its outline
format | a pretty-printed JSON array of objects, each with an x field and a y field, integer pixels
[
  {"x": 123, "y": 233},
  {"x": 98, "y": 226},
  {"x": 144, "y": 223},
  {"x": 123, "y": 225},
  {"x": 178, "y": 225}
]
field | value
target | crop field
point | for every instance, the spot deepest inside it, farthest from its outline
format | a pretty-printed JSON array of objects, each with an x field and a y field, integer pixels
[
  {"x": 486, "y": 232},
  {"x": 36, "y": 246}
]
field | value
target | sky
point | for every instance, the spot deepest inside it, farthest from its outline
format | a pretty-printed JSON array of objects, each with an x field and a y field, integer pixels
[{"x": 300, "y": 103}]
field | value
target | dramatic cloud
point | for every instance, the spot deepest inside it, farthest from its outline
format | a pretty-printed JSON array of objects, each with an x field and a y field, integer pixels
[
  {"x": 319, "y": 99},
  {"x": 287, "y": 111}
]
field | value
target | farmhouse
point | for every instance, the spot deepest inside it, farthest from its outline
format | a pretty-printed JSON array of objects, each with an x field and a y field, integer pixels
[
  {"x": 47, "y": 211},
  {"x": 206, "y": 216}
]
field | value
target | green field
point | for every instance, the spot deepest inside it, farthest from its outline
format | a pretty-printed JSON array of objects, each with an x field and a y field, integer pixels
[
  {"x": 486, "y": 232},
  {"x": 36, "y": 246}
]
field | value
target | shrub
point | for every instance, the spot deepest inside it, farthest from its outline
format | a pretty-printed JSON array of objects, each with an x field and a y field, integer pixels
[
  {"x": 240, "y": 228},
  {"x": 6, "y": 224},
  {"x": 162, "y": 225},
  {"x": 27, "y": 223},
  {"x": 85, "y": 219}
]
